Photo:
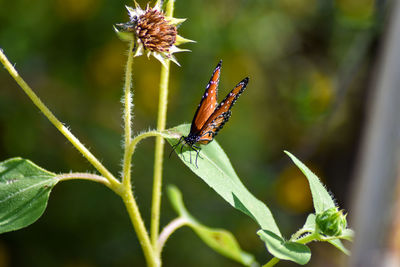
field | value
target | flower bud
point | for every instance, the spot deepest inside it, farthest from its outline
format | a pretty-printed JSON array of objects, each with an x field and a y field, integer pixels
[{"x": 331, "y": 222}]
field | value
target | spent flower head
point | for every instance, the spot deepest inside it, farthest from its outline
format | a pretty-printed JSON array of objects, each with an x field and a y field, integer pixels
[{"x": 153, "y": 33}]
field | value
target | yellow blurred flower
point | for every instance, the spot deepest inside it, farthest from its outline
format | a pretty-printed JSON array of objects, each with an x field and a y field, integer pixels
[{"x": 293, "y": 191}]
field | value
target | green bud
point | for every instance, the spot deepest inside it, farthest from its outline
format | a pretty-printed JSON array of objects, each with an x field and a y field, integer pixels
[{"x": 331, "y": 222}]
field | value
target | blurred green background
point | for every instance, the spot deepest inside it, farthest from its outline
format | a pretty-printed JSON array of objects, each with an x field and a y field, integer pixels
[{"x": 310, "y": 64}]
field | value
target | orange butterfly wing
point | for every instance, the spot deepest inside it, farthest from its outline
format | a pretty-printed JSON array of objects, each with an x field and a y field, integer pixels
[
  {"x": 208, "y": 102},
  {"x": 221, "y": 114}
]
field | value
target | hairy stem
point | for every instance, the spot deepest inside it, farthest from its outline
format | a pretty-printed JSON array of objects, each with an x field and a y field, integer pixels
[
  {"x": 169, "y": 229},
  {"x": 126, "y": 172},
  {"x": 115, "y": 184},
  {"x": 159, "y": 147},
  {"x": 140, "y": 137},
  {"x": 151, "y": 257},
  {"x": 83, "y": 176},
  {"x": 129, "y": 147},
  {"x": 308, "y": 238}
]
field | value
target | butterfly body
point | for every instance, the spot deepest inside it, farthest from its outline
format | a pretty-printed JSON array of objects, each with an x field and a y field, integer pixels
[{"x": 210, "y": 116}]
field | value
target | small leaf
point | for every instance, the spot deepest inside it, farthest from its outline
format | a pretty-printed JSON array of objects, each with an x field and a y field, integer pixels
[
  {"x": 216, "y": 170},
  {"x": 321, "y": 198},
  {"x": 124, "y": 36},
  {"x": 24, "y": 191},
  {"x": 347, "y": 234},
  {"x": 309, "y": 225},
  {"x": 285, "y": 250},
  {"x": 339, "y": 245},
  {"x": 219, "y": 240}
]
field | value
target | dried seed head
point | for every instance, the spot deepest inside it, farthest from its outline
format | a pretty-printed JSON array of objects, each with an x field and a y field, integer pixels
[
  {"x": 153, "y": 33},
  {"x": 156, "y": 34}
]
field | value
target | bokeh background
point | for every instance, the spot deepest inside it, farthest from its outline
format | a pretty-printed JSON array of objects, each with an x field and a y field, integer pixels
[{"x": 310, "y": 64}]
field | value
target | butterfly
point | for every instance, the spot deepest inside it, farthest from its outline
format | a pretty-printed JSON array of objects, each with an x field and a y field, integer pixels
[{"x": 210, "y": 116}]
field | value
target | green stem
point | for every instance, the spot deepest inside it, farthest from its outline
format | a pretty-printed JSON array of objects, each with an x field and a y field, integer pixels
[
  {"x": 83, "y": 176},
  {"x": 308, "y": 238},
  {"x": 127, "y": 195},
  {"x": 272, "y": 262},
  {"x": 169, "y": 229},
  {"x": 159, "y": 147},
  {"x": 115, "y": 184},
  {"x": 140, "y": 137},
  {"x": 298, "y": 233},
  {"x": 126, "y": 172},
  {"x": 151, "y": 258}
]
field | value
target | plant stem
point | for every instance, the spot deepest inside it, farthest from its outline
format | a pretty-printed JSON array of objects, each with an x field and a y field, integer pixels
[
  {"x": 83, "y": 176},
  {"x": 159, "y": 147},
  {"x": 140, "y": 137},
  {"x": 272, "y": 262},
  {"x": 129, "y": 146},
  {"x": 169, "y": 229},
  {"x": 115, "y": 184},
  {"x": 308, "y": 238},
  {"x": 126, "y": 172},
  {"x": 151, "y": 257}
]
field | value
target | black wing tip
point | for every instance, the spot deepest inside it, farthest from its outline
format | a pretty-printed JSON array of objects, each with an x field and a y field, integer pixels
[
  {"x": 219, "y": 63},
  {"x": 245, "y": 81}
]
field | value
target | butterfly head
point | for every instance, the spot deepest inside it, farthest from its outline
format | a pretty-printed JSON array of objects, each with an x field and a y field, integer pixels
[{"x": 189, "y": 141}]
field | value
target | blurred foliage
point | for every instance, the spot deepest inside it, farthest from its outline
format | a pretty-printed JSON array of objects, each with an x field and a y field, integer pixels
[{"x": 309, "y": 62}]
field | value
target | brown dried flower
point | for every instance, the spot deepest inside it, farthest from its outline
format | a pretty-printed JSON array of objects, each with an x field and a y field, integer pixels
[{"x": 154, "y": 33}]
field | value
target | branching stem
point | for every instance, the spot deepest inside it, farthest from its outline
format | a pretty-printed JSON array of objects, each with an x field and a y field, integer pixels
[
  {"x": 169, "y": 229},
  {"x": 115, "y": 184}
]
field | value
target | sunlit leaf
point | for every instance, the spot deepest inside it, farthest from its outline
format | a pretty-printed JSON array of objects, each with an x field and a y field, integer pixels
[
  {"x": 214, "y": 168},
  {"x": 321, "y": 198},
  {"x": 347, "y": 234},
  {"x": 24, "y": 191},
  {"x": 309, "y": 225},
  {"x": 339, "y": 245},
  {"x": 285, "y": 250},
  {"x": 322, "y": 202},
  {"x": 220, "y": 240}
]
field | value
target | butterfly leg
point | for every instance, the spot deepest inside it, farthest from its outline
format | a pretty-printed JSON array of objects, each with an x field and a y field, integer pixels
[
  {"x": 190, "y": 155},
  {"x": 182, "y": 151},
  {"x": 177, "y": 144},
  {"x": 197, "y": 149}
]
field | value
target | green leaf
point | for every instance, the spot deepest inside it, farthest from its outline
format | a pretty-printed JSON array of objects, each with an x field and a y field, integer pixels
[
  {"x": 347, "y": 234},
  {"x": 309, "y": 225},
  {"x": 214, "y": 168},
  {"x": 339, "y": 245},
  {"x": 321, "y": 198},
  {"x": 219, "y": 240},
  {"x": 322, "y": 202},
  {"x": 24, "y": 191},
  {"x": 286, "y": 250}
]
